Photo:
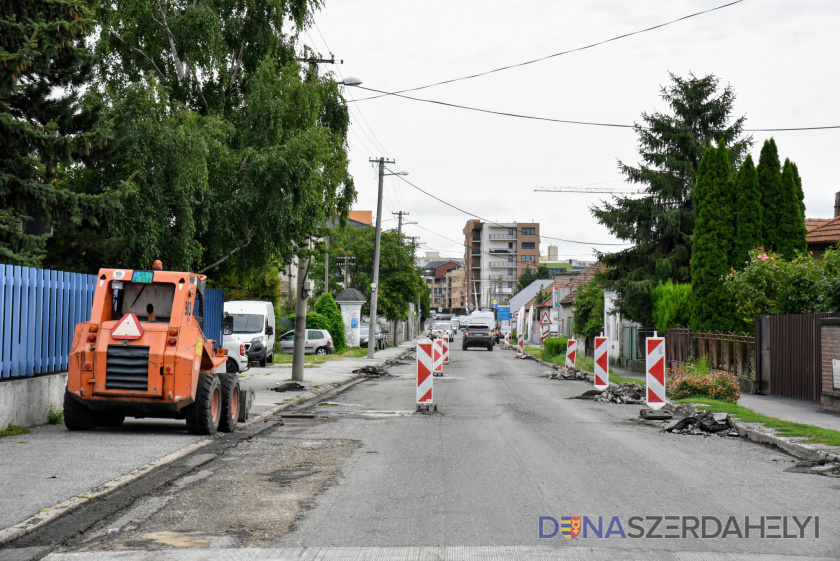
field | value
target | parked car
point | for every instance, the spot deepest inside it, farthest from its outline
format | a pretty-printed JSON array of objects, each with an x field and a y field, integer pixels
[
  {"x": 253, "y": 325},
  {"x": 503, "y": 330},
  {"x": 364, "y": 332},
  {"x": 318, "y": 341},
  {"x": 237, "y": 357}
]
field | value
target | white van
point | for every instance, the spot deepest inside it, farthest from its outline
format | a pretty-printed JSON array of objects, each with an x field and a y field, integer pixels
[{"x": 254, "y": 326}]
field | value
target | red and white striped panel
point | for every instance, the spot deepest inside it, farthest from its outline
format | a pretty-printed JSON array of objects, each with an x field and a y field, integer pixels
[
  {"x": 571, "y": 353},
  {"x": 602, "y": 376},
  {"x": 437, "y": 353},
  {"x": 520, "y": 344},
  {"x": 445, "y": 350},
  {"x": 424, "y": 371},
  {"x": 543, "y": 334},
  {"x": 655, "y": 372},
  {"x": 507, "y": 339}
]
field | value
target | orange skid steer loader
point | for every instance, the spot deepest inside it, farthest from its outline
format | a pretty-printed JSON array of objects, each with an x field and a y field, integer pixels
[{"x": 143, "y": 354}]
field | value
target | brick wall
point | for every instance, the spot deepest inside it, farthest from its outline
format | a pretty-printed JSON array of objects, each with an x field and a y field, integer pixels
[{"x": 830, "y": 350}]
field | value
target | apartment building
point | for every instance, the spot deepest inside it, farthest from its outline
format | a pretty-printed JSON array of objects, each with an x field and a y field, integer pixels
[
  {"x": 435, "y": 274},
  {"x": 456, "y": 291},
  {"x": 495, "y": 256}
]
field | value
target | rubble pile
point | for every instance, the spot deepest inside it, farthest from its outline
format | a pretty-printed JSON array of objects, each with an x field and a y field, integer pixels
[
  {"x": 409, "y": 355},
  {"x": 394, "y": 362},
  {"x": 372, "y": 371},
  {"x": 623, "y": 393},
  {"x": 817, "y": 467},
  {"x": 690, "y": 421},
  {"x": 567, "y": 374},
  {"x": 288, "y": 387}
]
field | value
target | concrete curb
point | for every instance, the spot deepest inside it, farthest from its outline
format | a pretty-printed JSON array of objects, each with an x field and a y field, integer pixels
[
  {"x": 49, "y": 514},
  {"x": 801, "y": 451}
]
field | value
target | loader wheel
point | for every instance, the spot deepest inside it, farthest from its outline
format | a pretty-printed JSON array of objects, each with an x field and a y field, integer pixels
[
  {"x": 110, "y": 420},
  {"x": 204, "y": 415},
  {"x": 230, "y": 402},
  {"x": 76, "y": 415}
]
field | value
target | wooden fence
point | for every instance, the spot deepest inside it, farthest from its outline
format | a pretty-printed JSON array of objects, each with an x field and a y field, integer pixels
[
  {"x": 730, "y": 351},
  {"x": 39, "y": 310}
]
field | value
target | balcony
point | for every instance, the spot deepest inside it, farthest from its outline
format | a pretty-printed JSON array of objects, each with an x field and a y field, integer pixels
[
  {"x": 502, "y": 236},
  {"x": 502, "y": 277},
  {"x": 477, "y": 252},
  {"x": 504, "y": 251},
  {"x": 503, "y": 264}
]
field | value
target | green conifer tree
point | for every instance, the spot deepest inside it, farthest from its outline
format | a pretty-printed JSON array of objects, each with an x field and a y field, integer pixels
[
  {"x": 791, "y": 222},
  {"x": 770, "y": 185},
  {"x": 748, "y": 217},
  {"x": 714, "y": 236},
  {"x": 43, "y": 126}
]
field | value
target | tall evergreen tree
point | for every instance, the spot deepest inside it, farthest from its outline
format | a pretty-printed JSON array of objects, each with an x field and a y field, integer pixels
[
  {"x": 791, "y": 226},
  {"x": 43, "y": 125},
  {"x": 660, "y": 224},
  {"x": 748, "y": 217},
  {"x": 770, "y": 185},
  {"x": 714, "y": 236}
]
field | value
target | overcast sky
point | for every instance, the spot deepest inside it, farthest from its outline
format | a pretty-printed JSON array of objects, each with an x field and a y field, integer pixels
[{"x": 780, "y": 56}]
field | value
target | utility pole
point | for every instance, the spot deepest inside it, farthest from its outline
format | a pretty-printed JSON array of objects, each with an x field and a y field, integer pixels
[
  {"x": 374, "y": 287},
  {"x": 301, "y": 299},
  {"x": 399, "y": 216},
  {"x": 327, "y": 265},
  {"x": 345, "y": 261},
  {"x": 414, "y": 244},
  {"x": 396, "y": 324}
]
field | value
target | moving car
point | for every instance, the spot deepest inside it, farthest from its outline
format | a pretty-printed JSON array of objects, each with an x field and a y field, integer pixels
[
  {"x": 253, "y": 325},
  {"x": 364, "y": 334},
  {"x": 477, "y": 335},
  {"x": 443, "y": 326},
  {"x": 318, "y": 341}
]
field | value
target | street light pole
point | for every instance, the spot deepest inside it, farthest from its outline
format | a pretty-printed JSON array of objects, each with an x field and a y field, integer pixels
[{"x": 374, "y": 287}]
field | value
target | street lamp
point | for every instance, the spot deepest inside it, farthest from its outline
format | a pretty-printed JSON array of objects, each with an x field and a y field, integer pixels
[
  {"x": 374, "y": 286},
  {"x": 351, "y": 81}
]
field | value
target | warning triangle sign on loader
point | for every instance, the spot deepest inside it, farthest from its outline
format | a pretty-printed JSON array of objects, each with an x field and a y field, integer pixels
[{"x": 127, "y": 328}]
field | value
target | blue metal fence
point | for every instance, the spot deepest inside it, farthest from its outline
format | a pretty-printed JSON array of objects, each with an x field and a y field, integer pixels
[{"x": 39, "y": 310}]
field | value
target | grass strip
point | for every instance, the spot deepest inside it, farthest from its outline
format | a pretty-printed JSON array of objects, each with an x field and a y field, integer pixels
[
  {"x": 586, "y": 363},
  {"x": 286, "y": 358},
  {"x": 783, "y": 428}
]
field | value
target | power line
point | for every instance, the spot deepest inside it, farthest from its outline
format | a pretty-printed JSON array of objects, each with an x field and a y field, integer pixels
[
  {"x": 493, "y": 221},
  {"x": 575, "y": 122},
  {"x": 577, "y": 49}
]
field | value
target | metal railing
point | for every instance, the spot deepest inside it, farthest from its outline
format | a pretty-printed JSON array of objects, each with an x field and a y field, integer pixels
[
  {"x": 502, "y": 236},
  {"x": 503, "y": 264}
]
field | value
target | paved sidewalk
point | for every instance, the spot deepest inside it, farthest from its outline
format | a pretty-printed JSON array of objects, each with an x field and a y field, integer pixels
[
  {"x": 51, "y": 470},
  {"x": 785, "y": 408}
]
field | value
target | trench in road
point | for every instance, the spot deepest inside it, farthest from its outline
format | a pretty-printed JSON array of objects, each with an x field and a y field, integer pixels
[{"x": 504, "y": 449}]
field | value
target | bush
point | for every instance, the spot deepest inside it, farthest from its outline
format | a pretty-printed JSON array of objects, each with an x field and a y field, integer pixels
[
  {"x": 555, "y": 346},
  {"x": 327, "y": 307},
  {"x": 716, "y": 385},
  {"x": 671, "y": 305}
]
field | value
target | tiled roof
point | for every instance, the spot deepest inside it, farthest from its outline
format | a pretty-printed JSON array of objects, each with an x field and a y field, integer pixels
[
  {"x": 828, "y": 233},
  {"x": 585, "y": 276},
  {"x": 811, "y": 223}
]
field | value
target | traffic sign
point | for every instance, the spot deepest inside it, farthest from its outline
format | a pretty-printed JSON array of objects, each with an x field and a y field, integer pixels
[
  {"x": 655, "y": 372},
  {"x": 602, "y": 377},
  {"x": 546, "y": 318},
  {"x": 504, "y": 313}
]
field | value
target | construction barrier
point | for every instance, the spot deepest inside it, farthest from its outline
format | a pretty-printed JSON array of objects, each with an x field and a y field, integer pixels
[
  {"x": 655, "y": 372},
  {"x": 445, "y": 350},
  {"x": 425, "y": 365},
  {"x": 571, "y": 353},
  {"x": 507, "y": 339},
  {"x": 520, "y": 344},
  {"x": 544, "y": 334},
  {"x": 602, "y": 376},
  {"x": 437, "y": 354}
]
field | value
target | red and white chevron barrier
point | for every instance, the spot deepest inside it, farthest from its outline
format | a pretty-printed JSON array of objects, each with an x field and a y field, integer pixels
[
  {"x": 543, "y": 334},
  {"x": 571, "y": 353},
  {"x": 520, "y": 344},
  {"x": 507, "y": 339},
  {"x": 445, "y": 350},
  {"x": 602, "y": 376},
  {"x": 425, "y": 365},
  {"x": 655, "y": 372},
  {"x": 437, "y": 354}
]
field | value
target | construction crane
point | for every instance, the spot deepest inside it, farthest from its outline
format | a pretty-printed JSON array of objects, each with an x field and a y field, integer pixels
[{"x": 608, "y": 190}]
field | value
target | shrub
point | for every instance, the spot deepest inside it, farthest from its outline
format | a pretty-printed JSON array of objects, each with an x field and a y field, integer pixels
[
  {"x": 671, "y": 305},
  {"x": 716, "y": 385},
  {"x": 555, "y": 346},
  {"x": 327, "y": 307}
]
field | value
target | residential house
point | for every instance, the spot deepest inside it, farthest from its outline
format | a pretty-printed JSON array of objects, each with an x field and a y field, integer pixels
[{"x": 434, "y": 273}]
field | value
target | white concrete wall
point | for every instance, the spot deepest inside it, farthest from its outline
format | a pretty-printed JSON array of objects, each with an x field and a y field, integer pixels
[{"x": 26, "y": 402}]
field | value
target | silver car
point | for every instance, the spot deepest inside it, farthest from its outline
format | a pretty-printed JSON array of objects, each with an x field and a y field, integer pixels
[{"x": 318, "y": 341}]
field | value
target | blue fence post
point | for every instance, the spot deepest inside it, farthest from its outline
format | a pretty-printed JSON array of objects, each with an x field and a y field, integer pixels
[
  {"x": 38, "y": 285},
  {"x": 16, "y": 323},
  {"x": 28, "y": 334},
  {"x": 4, "y": 310}
]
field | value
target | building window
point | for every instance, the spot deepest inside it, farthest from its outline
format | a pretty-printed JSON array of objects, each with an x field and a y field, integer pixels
[
  {"x": 510, "y": 285},
  {"x": 528, "y": 232},
  {"x": 528, "y": 258},
  {"x": 510, "y": 245},
  {"x": 510, "y": 257},
  {"x": 528, "y": 245},
  {"x": 511, "y": 232},
  {"x": 511, "y": 272}
]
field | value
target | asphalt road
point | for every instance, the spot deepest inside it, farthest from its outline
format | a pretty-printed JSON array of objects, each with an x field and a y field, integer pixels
[{"x": 504, "y": 449}]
